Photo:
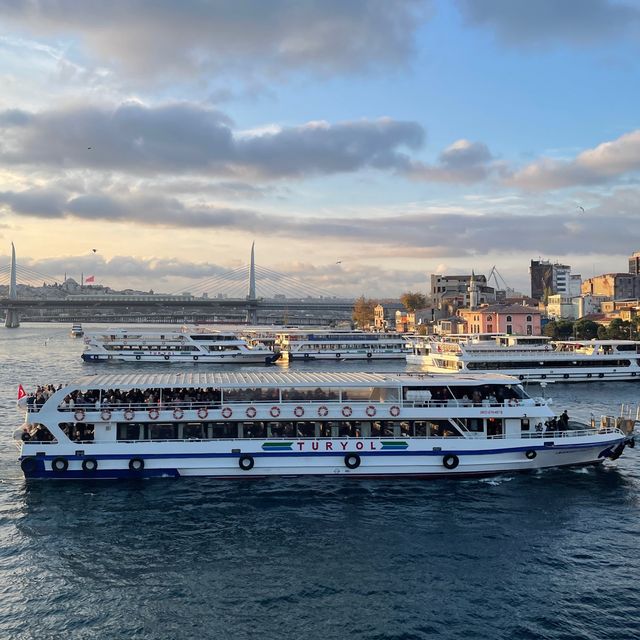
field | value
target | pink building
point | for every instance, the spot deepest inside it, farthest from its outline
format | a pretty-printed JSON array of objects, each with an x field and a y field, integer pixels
[{"x": 500, "y": 318}]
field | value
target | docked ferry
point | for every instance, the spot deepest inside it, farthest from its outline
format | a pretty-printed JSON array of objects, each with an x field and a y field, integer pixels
[
  {"x": 260, "y": 424},
  {"x": 188, "y": 345},
  {"x": 528, "y": 357},
  {"x": 340, "y": 345}
]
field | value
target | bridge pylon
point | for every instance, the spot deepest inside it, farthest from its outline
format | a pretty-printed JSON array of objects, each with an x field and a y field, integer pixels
[
  {"x": 12, "y": 319},
  {"x": 252, "y": 309}
]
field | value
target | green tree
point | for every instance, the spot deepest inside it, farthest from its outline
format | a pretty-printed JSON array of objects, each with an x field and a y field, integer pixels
[
  {"x": 619, "y": 329},
  {"x": 363, "y": 312},
  {"x": 413, "y": 301},
  {"x": 551, "y": 329},
  {"x": 586, "y": 329},
  {"x": 564, "y": 329},
  {"x": 603, "y": 332}
]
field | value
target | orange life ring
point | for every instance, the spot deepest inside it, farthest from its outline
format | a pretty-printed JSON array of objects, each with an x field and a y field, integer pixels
[
  {"x": 323, "y": 411},
  {"x": 203, "y": 413},
  {"x": 395, "y": 411},
  {"x": 251, "y": 412},
  {"x": 227, "y": 412},
  {"x": 105, "y": 414},
  {"x": 347, "y": 411},
  {"x": 275, "y": 412},
  {"x": 298, "y": 412},
  {"x": 129, "y": 414},
  {"x": 178, "y": 413},
  {"x": 370, "y": 411},
  {"x": 153, "y": 414},
  {"x": 79, "y": 414}
]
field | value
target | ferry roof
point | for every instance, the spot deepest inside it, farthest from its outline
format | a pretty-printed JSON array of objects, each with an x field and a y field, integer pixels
[{"x": 234, "y": 380}]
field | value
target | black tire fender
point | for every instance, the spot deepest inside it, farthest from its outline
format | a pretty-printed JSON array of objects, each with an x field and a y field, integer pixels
[
  {"x": 59, "y": 465},
  {"x": 352, "y": 461},
  {"x": 450, "y": 461},
  {"x": 28, "y": 465},
  {"x": 89, "y": 465},
  {"x": 136, "y": 464},
  {"x": 530, "y": 454},
  {"x": 246, "y": 462}
]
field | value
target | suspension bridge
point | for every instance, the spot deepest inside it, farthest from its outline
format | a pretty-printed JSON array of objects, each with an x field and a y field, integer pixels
[{"x": 250, "y": 293}]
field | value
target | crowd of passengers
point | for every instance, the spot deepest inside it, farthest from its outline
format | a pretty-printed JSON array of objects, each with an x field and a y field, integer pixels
[
  {"x": 468, "y": 396},
  {"x": 78, "y": 432},
  {"x": 42, "y": 393}
]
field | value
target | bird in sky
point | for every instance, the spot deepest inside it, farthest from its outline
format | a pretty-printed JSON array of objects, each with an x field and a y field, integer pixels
[
  {"x": 94, "y": 250},
  {"x": 581, "y": 208},
  {"x": 338, "y": 261}
]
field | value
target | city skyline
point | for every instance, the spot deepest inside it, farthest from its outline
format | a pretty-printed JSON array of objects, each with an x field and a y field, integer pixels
[{"x": 362, "y": 145}]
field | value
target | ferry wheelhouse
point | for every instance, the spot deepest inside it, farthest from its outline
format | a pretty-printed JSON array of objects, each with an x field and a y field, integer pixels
[
  {"x": 257, "y": 424},
  {"x": 341, "y": 345},
  {"x": 189, "y": 344},
  {"x": 529, "y": 357}
]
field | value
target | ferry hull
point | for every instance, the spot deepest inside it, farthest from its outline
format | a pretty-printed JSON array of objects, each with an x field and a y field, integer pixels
[
  {"x": 472, "y": 459},
  {"x": 261, "y": 358},
  {"x": 342, "y": 356}
]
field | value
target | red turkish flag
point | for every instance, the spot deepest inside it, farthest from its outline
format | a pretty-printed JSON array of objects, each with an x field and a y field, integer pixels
[{"x": 21, "y": 392}]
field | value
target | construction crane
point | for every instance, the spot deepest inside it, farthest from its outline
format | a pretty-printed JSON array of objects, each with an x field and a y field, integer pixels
[{"x": 500, "y": 282}]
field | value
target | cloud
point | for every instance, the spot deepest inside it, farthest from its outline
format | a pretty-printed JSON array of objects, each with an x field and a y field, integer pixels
[
  {"x": 145, "y": 38},
  {"x": 462, "y": 162},
  {"x": 535, "y": 23},
  {"x": 42, "y": 203},
  {"x": 606, "y": 162},
  {"x": 420, "y": 233},
  {"x": 187, "y": 138}
]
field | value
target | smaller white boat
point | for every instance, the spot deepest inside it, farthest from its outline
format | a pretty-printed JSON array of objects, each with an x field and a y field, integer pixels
[
  {"x": 340, "y": 345},
  {"x": 186, "y": 345},
  {"x": 76, "y": 331}
]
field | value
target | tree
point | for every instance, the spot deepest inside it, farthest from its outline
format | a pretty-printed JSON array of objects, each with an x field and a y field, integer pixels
[
  {"x": 559, "y": 329},
  {"x": 363, "y": 312},
  {"x": 586, "y": 329},
  {"x": 551, "y": 329},
  {"x": 413, "y": 301}
]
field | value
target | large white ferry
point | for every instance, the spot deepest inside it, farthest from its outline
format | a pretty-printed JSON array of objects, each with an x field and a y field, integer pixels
[
  {"x": 528, "y": 357},
  {"x": 256, "y": 424},
  {"x": 189, "y": 344},
  {"x": 317, "y": 344}
]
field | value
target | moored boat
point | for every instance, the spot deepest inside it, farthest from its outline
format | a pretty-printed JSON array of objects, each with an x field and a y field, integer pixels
[
  {"x": 76, "y": 331},
  {"x": 187, "y": 345},
  {"x": 318, "y": 344},
  {"x": 534, "y": 358},
  {"x": 258, "y": 424}
]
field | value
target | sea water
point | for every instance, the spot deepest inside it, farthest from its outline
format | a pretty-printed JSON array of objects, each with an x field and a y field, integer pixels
[{"x": 549, "y": 555}]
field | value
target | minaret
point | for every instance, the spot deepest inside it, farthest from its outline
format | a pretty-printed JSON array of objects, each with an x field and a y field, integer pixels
[{"x": 473, "y": 291}]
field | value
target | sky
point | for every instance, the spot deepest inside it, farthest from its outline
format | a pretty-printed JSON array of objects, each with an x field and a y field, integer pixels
[{"x": 362, "y": 145}]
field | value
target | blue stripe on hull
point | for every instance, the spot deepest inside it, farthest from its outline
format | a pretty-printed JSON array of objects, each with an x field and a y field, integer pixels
[{"x": 336, "y": 452}]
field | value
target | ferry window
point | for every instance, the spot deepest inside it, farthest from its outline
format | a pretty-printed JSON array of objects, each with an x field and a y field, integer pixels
[
  {"x": 475, "y": 425},
  {"x": 251, "y": 395},
  {"x": 254, "y": 430},
  {"x": 357, "y": 395},
  {"x": 420, "y": 429},
  {"x": 224, "y": 430},
  {"x": 441, "y": 429},
  {"x": 305, "y": 429},
  {"x": 525, "y": 425},
  {"x": 192, "y": 431},
  {"x": 129, "y": 431},
  {"x": 165, "y": 431},
  {"x": 308, "y": 395},
  {"x": 494, "y": 427},
  {"x": 39, "y": 433}
]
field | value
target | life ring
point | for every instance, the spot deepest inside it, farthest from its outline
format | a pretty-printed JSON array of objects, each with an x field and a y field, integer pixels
[
  {"x": 352, "y": 461},
  {"x": 275, "y": 412},
  {"x": 166, "y": 357},
  {"x": 298, "y": 412},
  {"x": 369, "y": 355},
  {"x": 370, "y": 411},
  {"x": 227, "y": 412},
  {"x": 89, "y": 465},
  {"x": 153, "y": 413},
  {"x": 136, "y": 464},
  {"x": 520, "y": 377},
  {"x": 337, "y": 355},
  {"x": 451, "y": 461},
  {"x": 178, "y": 413},
  {"x": 59, "y": 464},
  {"x": 129, "y": 414},
  {"x": 195, "y": 357},
  {"x": 105, "y": 414},
  {"x": 28, "y": 465},
  {"x": 137, "y": 357},
  {"x": 531, "y": 454},
  {"x": 251, "y": 412},
  {"x": 246, "y": 463},
  {"x": 79, "y": 415},
  {"x": 395, "y": 411},
  {"x": 203, "y": 413},
  {"x": 323, "y": 411},
  {"x": 347, "y": 411}
]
